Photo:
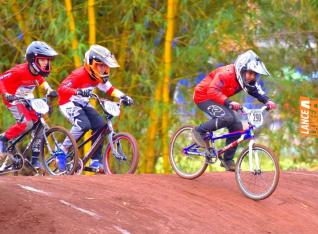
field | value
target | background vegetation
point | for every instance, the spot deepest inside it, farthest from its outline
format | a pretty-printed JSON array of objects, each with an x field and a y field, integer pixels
[{"x": 163, "y": 47}]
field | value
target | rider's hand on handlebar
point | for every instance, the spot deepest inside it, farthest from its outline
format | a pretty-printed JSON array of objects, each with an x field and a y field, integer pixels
[
  {"x": 127, "y": 101},
  {"x": 9, "y": 97},
  {"x": 235, "y": 105},
  {"x": 270, "y": 105},
  {"x": 84, "y": 92}
]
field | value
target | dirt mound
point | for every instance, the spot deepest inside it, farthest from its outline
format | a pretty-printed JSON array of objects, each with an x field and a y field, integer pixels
[{"x": 155, "y": 204}]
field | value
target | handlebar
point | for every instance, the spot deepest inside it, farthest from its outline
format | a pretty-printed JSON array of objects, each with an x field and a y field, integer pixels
[
  {"x": 19, "y": 98},
  {"x": 95, "y": 96},
  {"x": 247, "y": 111}
]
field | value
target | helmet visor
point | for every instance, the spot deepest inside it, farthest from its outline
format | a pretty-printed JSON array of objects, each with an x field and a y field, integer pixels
[
  {"x": 258, "y": 67},
  {"x": 105, "y": 56}
]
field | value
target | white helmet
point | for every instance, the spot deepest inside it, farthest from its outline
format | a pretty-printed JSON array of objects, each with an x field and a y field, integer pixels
[{"x": 248, "y": 61}]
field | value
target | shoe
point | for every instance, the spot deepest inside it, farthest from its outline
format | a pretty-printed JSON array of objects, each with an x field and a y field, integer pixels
[
  {"x": 37, "y": 165},
  {"x": 3, "y": 145},
  {"x": 94, "y": 164},
  {"x": 61, "y": 160},
  {"x": 198, "y": 138},
  {"x": 229, "y": 165}
]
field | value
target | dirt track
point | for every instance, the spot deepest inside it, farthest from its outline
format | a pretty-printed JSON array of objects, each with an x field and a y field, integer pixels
[{"x": 155, "y": 204}]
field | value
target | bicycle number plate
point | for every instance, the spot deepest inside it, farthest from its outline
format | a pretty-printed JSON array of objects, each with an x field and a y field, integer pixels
[
  {"x": 40, "y": 106},
  {"x": 256, "y": 118},
  {"x": 112, "y": 108}
]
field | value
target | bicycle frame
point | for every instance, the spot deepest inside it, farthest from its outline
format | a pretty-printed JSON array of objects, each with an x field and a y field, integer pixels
[
  {"x": 37, "y": 126},
  {"x": 245, "y": 135},
  {"x": 100, "y": 134}
]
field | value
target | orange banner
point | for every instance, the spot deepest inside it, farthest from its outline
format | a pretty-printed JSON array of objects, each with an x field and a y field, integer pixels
[{"x": 308, "y": 109}]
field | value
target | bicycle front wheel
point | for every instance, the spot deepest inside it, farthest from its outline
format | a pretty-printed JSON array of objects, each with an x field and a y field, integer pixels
[
  {"x": 123, "y": 159},
  {"x": 54, "y": 159},
  {"x": 187, "y": 159},
  {"x": 257, "y": 173}
]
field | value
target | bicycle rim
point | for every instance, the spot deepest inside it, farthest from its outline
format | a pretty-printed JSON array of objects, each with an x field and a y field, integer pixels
[
  {"x": 126, "y": 147},
  {"x": 255, "y": 182},
  {"x": 55, "y": 138},
  {"x": 187, "y": 166}
]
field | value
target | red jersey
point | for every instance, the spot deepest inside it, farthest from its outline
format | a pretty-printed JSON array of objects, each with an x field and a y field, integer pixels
[
  {"x": 19, "y": 81},
  {"x": 79, "y": 79},
  {"x": 217, "y": 86}
]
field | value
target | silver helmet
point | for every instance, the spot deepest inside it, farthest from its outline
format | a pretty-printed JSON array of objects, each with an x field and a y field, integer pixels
[{"x": 248, "y": 61}]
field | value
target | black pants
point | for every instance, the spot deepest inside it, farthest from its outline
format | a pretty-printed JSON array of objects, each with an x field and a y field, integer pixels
[
  {"x": 221, "y": 117},
  {"x": 84, "y": 118}
]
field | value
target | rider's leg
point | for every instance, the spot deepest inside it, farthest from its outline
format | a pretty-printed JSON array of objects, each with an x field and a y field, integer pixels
[
  {"x": 24, "y": 118},
  {"x": 221, "y": 116},
  {"x": 229, "y": 154},
  {"x": 236, "y": 126},
  {"x": 36, "y": 152},
  {"x": 77, "y": 116},
  {"x": 97, "y": 122}
]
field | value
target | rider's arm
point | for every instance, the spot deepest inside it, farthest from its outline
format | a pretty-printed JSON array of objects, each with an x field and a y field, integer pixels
[
  {"x": 258, "y": 93},
  {"x": 8, "y": 79},
  {"x": 110, "y": 90},
  {"x": 66, "y": 87},
  {"x": 45, "y": 86}
]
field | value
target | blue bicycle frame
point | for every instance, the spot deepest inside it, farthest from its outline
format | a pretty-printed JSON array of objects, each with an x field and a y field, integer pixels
[{"x": 245, "y": 135}]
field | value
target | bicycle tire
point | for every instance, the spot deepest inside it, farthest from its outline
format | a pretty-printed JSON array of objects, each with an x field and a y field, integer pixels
[
  {"x": 49, "y": 163},
  {"x": 181, "y": 165},
  {"x": 263, "y": 173},
  {"x": 113, "y": 165}
]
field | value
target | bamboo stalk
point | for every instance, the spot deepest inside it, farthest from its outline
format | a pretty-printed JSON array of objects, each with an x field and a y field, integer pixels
[
  {"x": 152, "y": 130},
  {"x": 26, "y": 37},
  {"x": 122, "y": 53},
  {"x": 91, "y": 22},
  {"x": 91, "y": 41},
  {"x": 68, "y": 6},
  {"x": 166, "y": 80}
]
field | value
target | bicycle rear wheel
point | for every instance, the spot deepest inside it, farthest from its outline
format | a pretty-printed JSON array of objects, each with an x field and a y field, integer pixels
[
  {"x": 124, "y": 159},
  {"x": 187, "y": 164},
  {"x": 257, "y": 177},
  {"x": 51, "y": 151}
]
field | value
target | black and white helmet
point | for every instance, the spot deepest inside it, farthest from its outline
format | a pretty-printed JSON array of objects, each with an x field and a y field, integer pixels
[
  {"x": 39, "y": 50},
  {"x": 99, "y": 54},
  {"x": 248, "y": 61}
]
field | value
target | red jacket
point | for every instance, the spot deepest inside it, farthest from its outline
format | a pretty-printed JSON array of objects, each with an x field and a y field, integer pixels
[
  {"x": 221, "y": 84},
  {"x": 217, "y": 86},
  {"x": 80, "y": 79},
  {"x": 19, "y": 81}
]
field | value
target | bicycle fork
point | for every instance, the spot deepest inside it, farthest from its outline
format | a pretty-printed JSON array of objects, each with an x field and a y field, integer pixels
[
  {"x": 118, "y": 155},
  {"x": 253, "y": 157}
]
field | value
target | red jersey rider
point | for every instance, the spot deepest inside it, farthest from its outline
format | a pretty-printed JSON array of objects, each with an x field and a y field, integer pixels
[
  {"x": 75, "y": 90},
  {"x": 21, "y": 81},
  {"x": 212, "y": 96}
]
